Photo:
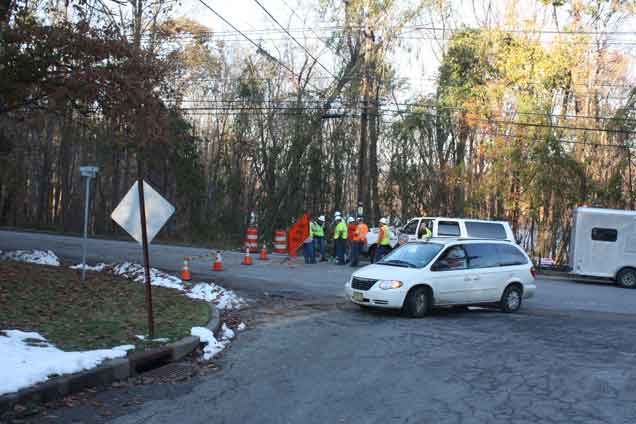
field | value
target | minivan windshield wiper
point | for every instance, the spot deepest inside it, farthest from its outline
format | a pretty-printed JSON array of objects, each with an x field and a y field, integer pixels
[{"x": 397, "y": 262}]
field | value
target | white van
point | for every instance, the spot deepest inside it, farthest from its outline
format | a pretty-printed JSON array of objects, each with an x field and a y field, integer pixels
[
  {"x": 456, "y": 227},
  {"x": 603, "y": 244},
  {"x": 445, "y": 271}
]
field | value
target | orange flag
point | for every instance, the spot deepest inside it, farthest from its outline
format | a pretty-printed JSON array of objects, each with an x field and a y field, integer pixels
[{"x": 298, "y": 233}]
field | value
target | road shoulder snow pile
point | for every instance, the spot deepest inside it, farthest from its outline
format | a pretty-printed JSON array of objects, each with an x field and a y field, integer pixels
[
  {"x": 222, "y": 298},
  {"x": 28, "y": 358},
  {"x": 40, "y": 257}
]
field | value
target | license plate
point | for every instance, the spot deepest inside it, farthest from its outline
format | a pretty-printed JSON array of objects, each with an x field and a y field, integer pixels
[{"x": 357, "y": 296}]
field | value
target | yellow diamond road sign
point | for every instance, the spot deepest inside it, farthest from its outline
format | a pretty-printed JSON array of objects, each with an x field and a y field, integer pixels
[{"x": 158, "y": 211}]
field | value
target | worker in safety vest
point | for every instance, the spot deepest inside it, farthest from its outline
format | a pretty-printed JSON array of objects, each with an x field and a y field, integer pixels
[
  {"x": 308, "y": 247},
  {"x": 359, "y": 240},
  {"x": 340, "y": 240},
  {"x": 384, "y": 240},
  {"x": 351, "y": 230},
  {"x": 319, "y": 237}
]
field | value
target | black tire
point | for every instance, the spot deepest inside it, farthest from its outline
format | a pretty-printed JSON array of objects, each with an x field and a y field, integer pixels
[
  {"x": 626, "y": 278},
  {"x": 511, "y": 299},
  {"x": 372, "y": 250},
  {"x": 418, "y": 302}
]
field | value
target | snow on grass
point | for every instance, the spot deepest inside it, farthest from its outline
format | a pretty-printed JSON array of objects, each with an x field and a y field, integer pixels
[
  {"x": 222, "y": 298},
  {"x": 41, "y": 257},
  {"x": 241, "y": 327},
  {"x": 157, "y": 278},
  {"x": 212, "y": 345},
  {"x": 160, "y": 340},
  {"x": 97, "y": 268},
  {"x": 28, "y": 358}
]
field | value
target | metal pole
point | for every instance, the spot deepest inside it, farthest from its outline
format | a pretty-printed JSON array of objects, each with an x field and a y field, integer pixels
[
  {"x": 144, "y": 240},
  {"x": 87, "y": 199}
]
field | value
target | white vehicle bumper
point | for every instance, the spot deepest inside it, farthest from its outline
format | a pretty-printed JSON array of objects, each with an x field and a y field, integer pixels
[
  {"x": 528, "y": 290},
  {"x": 377, "y": 298}
]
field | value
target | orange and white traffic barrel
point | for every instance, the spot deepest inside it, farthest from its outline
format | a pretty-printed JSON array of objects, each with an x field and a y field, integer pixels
[
  {"x": 280, "y": 241},
  {"x": 251, "y": 239}
]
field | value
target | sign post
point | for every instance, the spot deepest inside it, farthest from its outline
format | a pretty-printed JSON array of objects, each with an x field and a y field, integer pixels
[
  {"x": 142, "y": 213},
  {"x": 88, "y": 172}
]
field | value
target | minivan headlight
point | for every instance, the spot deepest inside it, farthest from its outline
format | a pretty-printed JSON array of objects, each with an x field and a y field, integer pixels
[{"x": 389, "y": 284}]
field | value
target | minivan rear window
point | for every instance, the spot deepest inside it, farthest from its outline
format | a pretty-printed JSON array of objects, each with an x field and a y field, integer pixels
[
  {"x": 510, "y": 255},
  {"x": 448, "y": 228},
  {"x": 489, "y": 230}
]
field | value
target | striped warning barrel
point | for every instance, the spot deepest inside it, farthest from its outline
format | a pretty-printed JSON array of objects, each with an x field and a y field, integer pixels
[
  {"x": 280, "y": 241},
  {"x": 251, "y": 239}
]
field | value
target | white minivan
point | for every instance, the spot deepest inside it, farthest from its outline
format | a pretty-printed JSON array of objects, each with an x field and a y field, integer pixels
[{"x": 442, "y": 272}]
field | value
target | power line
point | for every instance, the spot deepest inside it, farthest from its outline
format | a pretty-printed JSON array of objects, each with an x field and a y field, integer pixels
[
  {"x": 294, "y": 38},
  {"x": 258, "y": 48}
]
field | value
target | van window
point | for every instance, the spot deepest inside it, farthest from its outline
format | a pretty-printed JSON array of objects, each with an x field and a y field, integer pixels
[
  {"x": 490, "y": 230},
  {"x": 604, "y": 234},
  {"x": 482, "y": 255},
  {"x": 510, "y": 255},
  {"x": 452, "y": 260},
  {"x": 411, "y": 227},
  {"x": 426, "y": 223},
  {"x": 448, "y": 228}
]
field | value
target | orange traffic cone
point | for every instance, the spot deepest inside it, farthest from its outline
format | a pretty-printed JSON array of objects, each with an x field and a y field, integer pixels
[
  {"x": 185, "y": 272},
  {"x": 218, "y": 263},
  {"x": 263, "y": 256},
  {"x": 247, "y": 259}
]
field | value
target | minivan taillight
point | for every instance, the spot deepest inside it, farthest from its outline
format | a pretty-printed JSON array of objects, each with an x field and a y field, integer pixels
[{"x": 533, "y": 272}]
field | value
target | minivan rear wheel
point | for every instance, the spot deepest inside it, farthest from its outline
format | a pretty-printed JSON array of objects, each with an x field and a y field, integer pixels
[
  {"x": 417, "y": 303},
  {"x": 626, "y": 278},
  {"x": 511, "y": 299}
]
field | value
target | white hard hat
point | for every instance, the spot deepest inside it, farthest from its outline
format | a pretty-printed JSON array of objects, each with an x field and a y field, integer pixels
[
  {"x": 338, "y": 218},
  {"x": 337, "y": 214},
  {"x": 321, "y": 218},
  {"x": 383, "y": 221},
  {"x": 350, "y": 220}
]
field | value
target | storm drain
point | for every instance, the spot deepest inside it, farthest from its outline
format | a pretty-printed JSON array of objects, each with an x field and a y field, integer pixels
[{"x": 174, "y": 372}]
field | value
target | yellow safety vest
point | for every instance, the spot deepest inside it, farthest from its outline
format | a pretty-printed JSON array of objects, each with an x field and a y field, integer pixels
[{"x": 340, "y": 231}]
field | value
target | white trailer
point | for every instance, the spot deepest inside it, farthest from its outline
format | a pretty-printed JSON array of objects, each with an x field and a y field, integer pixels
[{"x": 603, "y": 244}]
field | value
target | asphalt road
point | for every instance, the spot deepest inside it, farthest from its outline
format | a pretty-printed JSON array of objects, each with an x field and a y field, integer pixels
[{"x": 567, "y": 357}]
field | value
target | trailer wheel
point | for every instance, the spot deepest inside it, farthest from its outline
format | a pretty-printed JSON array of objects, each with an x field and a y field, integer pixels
[{"x": 626, "y": 278}]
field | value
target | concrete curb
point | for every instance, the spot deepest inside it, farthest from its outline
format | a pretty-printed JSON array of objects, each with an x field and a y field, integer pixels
[{"x": 109, "y": 371}]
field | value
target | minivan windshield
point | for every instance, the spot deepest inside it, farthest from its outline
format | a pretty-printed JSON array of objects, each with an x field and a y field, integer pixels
[{"x": 412, "y": 255}]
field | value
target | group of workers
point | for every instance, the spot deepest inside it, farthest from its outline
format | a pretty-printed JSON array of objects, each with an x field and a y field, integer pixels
[{"x": 349, "y": 240}]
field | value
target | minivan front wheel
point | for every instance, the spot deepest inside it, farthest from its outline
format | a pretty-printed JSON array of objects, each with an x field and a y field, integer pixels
[
  {"x": 511, "y": 299},
  {"x": 417, "y": 303}
]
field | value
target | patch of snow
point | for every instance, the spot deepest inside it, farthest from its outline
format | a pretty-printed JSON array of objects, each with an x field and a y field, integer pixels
[
  {"x": 222, "y": 298},
  {"x": 227, "y": 332},
  {"x": 157, "y": 278},
  {"x": 212, "y": 345},
  {"x": 41, "y": 257},
  {"x": 97, "y": 268},
  {"x": 159, "y": 340},
  {"x": 25, "y": 364},
  {"x": 241, "y": 327}
]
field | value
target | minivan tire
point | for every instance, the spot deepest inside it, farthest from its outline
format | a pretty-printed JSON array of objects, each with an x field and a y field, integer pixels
[
  {"x": 417, "y": 303},
  {"x": 511, "y": 299},
  {"x": 626, "y": 278}
]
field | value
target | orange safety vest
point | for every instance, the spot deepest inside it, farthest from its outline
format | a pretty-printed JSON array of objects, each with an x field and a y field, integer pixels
[
  {"x": 361, "y": 232},
  {"x": 351, "y": 229}
]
